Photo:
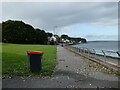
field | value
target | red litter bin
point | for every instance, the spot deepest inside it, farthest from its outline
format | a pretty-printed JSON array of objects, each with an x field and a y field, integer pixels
[{"x": 35, "y": 58}]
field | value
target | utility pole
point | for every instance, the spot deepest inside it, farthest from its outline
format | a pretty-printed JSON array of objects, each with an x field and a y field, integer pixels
[
  {"x": 54, "y": 33},
  {"x": 54, "y": 29}
]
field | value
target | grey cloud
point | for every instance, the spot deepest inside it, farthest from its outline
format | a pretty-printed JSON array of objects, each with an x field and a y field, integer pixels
[
  {"x": 102, "y": 37},
  {"x": 47, "y": 15}
]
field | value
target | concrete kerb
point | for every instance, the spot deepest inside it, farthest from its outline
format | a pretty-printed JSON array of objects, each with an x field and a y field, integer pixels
[
  {"x": 113, "y": 68},
  {"x": 55, "y": 69}
]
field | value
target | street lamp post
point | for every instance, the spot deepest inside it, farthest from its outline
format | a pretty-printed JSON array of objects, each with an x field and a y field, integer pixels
[
  {"x": 54, "y": 29},
  {"x": 54, "y": 34}
]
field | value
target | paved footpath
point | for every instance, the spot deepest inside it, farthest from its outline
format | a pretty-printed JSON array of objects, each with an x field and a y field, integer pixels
[{"x": 72, "y": 71}]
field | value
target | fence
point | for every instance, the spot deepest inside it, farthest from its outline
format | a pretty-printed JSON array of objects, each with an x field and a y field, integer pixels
[{"x": 105, "y": 56}]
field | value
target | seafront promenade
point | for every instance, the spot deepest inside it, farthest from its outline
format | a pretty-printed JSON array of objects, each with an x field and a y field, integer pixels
[
  {"x": 112, "y": 63},
  {"x": 72, "y": 71}
]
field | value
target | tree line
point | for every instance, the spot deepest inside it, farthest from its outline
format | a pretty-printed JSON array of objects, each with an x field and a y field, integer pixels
[
  {"x": 20, "y": 33},
  {"x": 76, "y": 40}
]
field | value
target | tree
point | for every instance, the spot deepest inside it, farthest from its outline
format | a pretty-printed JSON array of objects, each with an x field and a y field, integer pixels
[
  {"x": 49, "y": 34},
  {"x": 40, "y": 36},
  {"x": 64, "y": 36},
  {"x": 83, "y": 40},
  {"x": 19, "y": 32},
  {"x": 0, "y": 32}
]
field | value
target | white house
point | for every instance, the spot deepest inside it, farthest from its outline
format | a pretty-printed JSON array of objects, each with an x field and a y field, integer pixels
[
  {"x": 52, "y": 38},
  {"x": 65, "y": 41}
]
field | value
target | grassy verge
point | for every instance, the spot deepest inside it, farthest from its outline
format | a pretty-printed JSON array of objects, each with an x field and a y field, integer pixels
[
  {"x": 117, "y": 74},
  {"x": 0, "y": 58},
  {"x": 14, "y": 58}
]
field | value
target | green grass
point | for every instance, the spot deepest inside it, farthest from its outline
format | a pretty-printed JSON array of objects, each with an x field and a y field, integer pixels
[
  {"x": 0, "y": 58},
  {"x": 14, "y": 58},
  {"x": 117, "y": 74}
]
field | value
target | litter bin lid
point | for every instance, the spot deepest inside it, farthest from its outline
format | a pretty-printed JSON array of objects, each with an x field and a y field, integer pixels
[{"x": 38, "y": 52}]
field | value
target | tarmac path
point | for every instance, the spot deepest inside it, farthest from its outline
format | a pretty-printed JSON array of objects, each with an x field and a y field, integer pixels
[{"x": 72, "y": 71}]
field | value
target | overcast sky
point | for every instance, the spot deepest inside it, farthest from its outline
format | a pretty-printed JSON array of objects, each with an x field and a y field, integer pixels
[{"x": 90, "y": 20}]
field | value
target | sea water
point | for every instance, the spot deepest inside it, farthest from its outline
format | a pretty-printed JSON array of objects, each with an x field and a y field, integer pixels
[{"x": 102, "y": 45}]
